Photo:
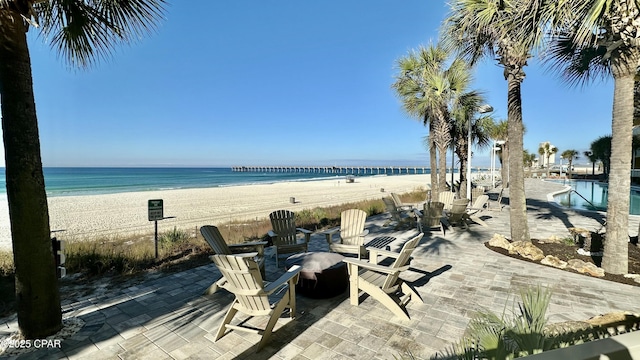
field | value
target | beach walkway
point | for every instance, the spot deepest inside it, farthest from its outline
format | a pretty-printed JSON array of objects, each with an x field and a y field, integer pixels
[{"x": 167, "y": 317}]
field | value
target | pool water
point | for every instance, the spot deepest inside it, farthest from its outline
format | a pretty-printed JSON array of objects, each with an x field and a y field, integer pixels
[{"x": 595, "y": 194}]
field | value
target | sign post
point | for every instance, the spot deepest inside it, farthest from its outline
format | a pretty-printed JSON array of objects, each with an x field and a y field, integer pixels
[{"x": 156, "y": 212}]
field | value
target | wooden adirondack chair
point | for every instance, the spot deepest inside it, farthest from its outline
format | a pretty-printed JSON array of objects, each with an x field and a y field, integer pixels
[
  {"x": 352, "y": 233},
  {"x": 242, "y": 278},
  {"x": 457, "y": 212},
  {"x": 446, "y": 197},
  {"x": 476, "y": 192},
  {"x": 430, "y": 217},
  {"x": 285, "y": 234},
  {"x": 496, "y": 205},
  {"x": 399, "y": 204},
  {"x": 212, "y": 236},
  {"x": 477, "y": 207},
  {"x": 383, "y": 283}
]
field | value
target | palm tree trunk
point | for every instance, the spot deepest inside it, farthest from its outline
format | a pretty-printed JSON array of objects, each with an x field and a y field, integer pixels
[
  {"x": 37, "y": 293},
  {"x": 442, "y": 168},
  {"x": 461, "y": 151},
  {"x": 616, "y": 252},
  {"x": 433, "y": 165},
  {"x": 517, "y": 199},
  {"x": 504, "y": 172}
]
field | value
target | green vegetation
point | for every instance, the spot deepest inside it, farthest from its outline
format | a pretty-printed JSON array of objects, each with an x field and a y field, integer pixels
[{"x": 128, "y": 255}]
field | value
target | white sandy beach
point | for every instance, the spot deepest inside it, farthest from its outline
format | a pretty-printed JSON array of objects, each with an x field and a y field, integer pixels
[{"x": 126, "y": 213}]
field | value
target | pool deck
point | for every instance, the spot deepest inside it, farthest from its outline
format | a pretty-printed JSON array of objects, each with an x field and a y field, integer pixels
[{"x": 167, "y": 317}]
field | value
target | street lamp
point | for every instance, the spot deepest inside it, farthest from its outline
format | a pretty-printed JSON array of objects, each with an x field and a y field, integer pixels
[
  {"x": 482, "y": 109},
  {"x": 493, "y": 160}
]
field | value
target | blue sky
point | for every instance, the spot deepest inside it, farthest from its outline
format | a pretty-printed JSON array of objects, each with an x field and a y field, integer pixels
[{"x": 224, "y": 83}]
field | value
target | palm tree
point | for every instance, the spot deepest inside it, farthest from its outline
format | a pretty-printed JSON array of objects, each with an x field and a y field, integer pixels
[
  {"x": 428, "y": 88},
  {"x": 82, "y": 32},
  {"x": 569, "y": 155},
  {"x": 499, "y": 133},
  {"x": 601, "y": 150},
  {"x": 528, "y": 158},
  {"x": 464, "y": 113},
  {"x": 599, "y": 38},
  {"x": 592, "y": 158},
  {"x": 492, "y": 28},
  {"x": 547, "y": 150}
]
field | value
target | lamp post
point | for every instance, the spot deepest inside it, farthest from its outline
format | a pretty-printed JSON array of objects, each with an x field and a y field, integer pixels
[
  {"x": 493, "y": 160},
  {"x": 482, "y": 109}
]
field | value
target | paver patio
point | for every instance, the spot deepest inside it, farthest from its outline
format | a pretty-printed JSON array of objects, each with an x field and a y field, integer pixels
[{"x": 167, "y": 317}]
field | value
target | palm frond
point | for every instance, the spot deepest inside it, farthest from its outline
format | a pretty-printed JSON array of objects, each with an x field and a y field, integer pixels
[{"x": 84, "y": 32}]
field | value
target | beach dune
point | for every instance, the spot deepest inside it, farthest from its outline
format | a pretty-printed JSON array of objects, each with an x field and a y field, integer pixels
[{"x": 92, "y": 216}]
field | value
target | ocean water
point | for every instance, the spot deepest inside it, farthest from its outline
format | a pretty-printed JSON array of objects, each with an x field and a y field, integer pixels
[{"x": 67, "y": 181}]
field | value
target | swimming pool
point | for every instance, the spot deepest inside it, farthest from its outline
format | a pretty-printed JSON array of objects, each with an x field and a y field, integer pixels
[{"x": 595, "y": 194}]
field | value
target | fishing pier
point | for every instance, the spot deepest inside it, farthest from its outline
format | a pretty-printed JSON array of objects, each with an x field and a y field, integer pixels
[{"x": 336, "y": 169}]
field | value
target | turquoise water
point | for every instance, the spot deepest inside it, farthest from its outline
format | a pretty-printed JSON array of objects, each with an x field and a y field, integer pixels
[
  {"x": 596, "y": 194},
  {"x": 89, "y": 181}
]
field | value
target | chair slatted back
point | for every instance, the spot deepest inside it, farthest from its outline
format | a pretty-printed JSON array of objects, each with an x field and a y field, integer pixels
[
  {"x": 283, "y": 223},
  {"x": 432, "y": 214},
  {"x": 480, "y": 202},
  {"x": 391, "y": 208},
  {"x": 446, "y": 197},
  {"x": 352, "y": 225},
  {"x": 458, "y": 209},
  {"x": 396, "y": 199},
  {"x": 402, "y": 260},
  {"x": 476, "y": 192},
  {"x": 245, "y": 282},
  {"x": 213, "y": 237}
]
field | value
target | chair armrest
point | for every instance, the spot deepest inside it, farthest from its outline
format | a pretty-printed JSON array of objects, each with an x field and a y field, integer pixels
[
  {"x": 289, "y": 276},
  {"x": 364, "y": 232},
  {"x": 257, "y": 246},
  {"x": 374, "y": 267},
  {"x": 307, "y": 234},
  {"x": 330, "y": 231},
  {"x": 329, "y": 234},
  {"x": 242, "y": 255},
  {"x": 377, "y": 251},
  {"x": 271, "y": 233},
  {"x": 417, "y": 212}
]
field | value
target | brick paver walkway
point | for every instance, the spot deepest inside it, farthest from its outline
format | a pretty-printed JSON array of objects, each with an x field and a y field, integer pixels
[{"x": 167, "y": 317}]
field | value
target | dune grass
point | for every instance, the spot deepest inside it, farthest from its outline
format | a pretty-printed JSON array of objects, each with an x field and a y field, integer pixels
[{"x": 127, "y": 255}]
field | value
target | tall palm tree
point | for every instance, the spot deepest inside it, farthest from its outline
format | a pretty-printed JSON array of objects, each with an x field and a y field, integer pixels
[
  {"x": 492, "y": 28},
  {"x": 592, "y": 159},
  {"x": 428, "y": 88},
  {"x": 547, "y": 150},
  {"x": 499, "y": 132},
  {"x": 462, "y": 114},
  {"x": 82, "y": 31},
  {"x": 599, "y": 38},
  {"x": 528, "y": 158},
  {"x": 601, "y": 150},
  {"x": 569, "y": 155}
]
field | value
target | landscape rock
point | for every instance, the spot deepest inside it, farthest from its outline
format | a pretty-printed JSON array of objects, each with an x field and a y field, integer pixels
[
  {"x": 527, "y": 250},
  {"x": 553, "y": 239},
  {"x": 499, "y": 241},
  {"x": 566, "y": 327},
  {"x": 585, "y": 268},
  {"x": 614, "y": 318},
  {"x": 553, "y": 261}
]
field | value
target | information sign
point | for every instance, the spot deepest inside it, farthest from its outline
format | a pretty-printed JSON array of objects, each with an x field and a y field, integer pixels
[{"x": 156, "y": 211}]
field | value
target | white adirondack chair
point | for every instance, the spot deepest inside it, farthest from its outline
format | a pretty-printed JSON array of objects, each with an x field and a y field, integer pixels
[
  {"x": 212, "y": 236},
  {"x": 383, "y": 283},
  {"x": 242, "y": 278},
  {"x": 352, "y": 233},
  {"x": 285, "y": 234}
]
